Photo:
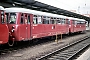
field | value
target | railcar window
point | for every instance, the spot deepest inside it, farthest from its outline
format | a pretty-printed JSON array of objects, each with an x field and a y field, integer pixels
[
  {"x": 2, "y": 17},
  {"x": 44, "y": 17},
  {"x": 22, "y": 17},
  {"x": 82, "y": 22},
  {"x": 12, "y": 18},
  {"x": 46, "y": 20},
  {"x": 78, "y": 22},
  {"x": 68, "y": 21},
  {"x": 55, "y": 20},
  {"x": 75, "y": 22},
  {"x": 52, "y": 21},
  {"x": 35, "y": 19},
  {"x": 58, "y": 21},
  {"x": 63, "y": 21},
  {"x": 39, "y": 18}
]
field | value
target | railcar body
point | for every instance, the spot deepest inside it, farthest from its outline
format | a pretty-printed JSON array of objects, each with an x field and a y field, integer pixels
[
  {"x": 76, "y": 25},
  {"x": 4, "y": 32},
  {"x": 25, "y": 24}
]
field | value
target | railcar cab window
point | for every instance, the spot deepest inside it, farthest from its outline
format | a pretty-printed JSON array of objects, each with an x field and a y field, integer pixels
[
  {"x": 12, "y": 18},
  {"x": 46, "y": 20},
  {"x": 2, "y": 17}
]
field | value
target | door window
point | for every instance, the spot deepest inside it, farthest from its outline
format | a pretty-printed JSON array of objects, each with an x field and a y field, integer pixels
[
  {"x": 22, "y": 17},
  {"x": 28, "y": 19}
]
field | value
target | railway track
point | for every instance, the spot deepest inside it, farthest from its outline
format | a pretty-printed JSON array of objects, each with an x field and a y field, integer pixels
[
  {"x": 6, "y": 49},
  {"x": 68, "y": 52},
  {"x": 21, "y": 45}
]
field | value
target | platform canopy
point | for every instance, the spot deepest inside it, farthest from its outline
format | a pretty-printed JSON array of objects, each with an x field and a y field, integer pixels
[{"x": 35, "y": 5}]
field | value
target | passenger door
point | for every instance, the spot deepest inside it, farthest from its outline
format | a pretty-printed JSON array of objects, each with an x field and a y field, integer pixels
[
  {"x": 22, "y": 28},
  {"x": 73, "y": 25},
  {"x": 28, "y": 27}
]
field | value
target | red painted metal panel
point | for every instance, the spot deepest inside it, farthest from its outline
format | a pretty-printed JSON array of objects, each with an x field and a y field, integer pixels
[
  {"x": 4, "y": 33},
  {"x": 62, "y": 28},
  {"x": 42, "y": 30}
]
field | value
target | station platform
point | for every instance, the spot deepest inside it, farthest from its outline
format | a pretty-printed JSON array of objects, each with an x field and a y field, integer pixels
[{"x": 85, "y": 55}]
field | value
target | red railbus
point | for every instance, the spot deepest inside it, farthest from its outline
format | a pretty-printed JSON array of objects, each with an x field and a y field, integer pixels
[
  {"x": 25, "y": 24},
  {"x": 4, "y": 32}
]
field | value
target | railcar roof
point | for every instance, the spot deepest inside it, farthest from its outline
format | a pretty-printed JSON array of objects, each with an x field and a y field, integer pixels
[
  {"x": 2, "y": 8},
  {"x": 76, "y": 19},
  {"x": 24, "y": 10}
]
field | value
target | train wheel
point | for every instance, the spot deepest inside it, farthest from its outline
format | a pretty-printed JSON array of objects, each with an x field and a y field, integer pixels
[{"x": 11, "y": 42}]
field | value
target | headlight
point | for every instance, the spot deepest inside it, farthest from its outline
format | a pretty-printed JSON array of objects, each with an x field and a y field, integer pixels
[{"x": 12, "y": 30}]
